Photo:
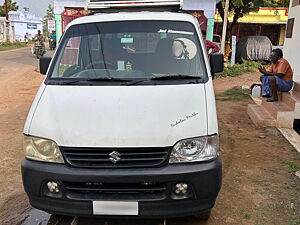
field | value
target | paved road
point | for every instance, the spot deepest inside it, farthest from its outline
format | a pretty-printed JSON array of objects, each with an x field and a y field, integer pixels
[{"x": 15, "y": 60}]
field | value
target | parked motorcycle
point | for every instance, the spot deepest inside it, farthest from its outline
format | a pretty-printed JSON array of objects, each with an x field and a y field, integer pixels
[
  {"x": 52, "y": 44},
  {"x": 39, "y": 49}
]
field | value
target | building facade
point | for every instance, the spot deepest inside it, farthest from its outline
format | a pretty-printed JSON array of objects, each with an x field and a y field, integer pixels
[
  {"x": 266, "y": 22},
  {"x": 22, "y": 23},
  {"x": 60, "y": 11},
  {"x": 2, "y": 29},
  {"x": 292, "y": 41}
]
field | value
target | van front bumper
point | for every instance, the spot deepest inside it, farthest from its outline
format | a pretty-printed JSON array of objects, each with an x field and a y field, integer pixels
[{"x": 203, "y": 179}]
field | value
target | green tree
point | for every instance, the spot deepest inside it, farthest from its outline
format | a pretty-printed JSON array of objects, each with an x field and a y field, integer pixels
[
  {"x": 240, "y": 8},
  {"x": 12, "y": 6},
  {"x": 49, "y": 16},
  {"x": 277, "y": 3}
]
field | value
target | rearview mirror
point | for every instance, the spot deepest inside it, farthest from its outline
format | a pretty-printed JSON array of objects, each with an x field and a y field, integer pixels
[
  {"x": 216, "y": 63},
  {"x": 44, "y": 64}
]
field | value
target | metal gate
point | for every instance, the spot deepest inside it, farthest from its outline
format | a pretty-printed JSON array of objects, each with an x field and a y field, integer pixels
[{"x": 71, "y": 14}]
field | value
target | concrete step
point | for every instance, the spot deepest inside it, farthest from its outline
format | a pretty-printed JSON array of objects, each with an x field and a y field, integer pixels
[
  {"x": 283, "y": 113},
  {"x": 280, "y": 114},
  {"x": 260, "y": 116},
  {"x": 296, "y": 87},
  {"x": 292, "y": 99},
  {"x": 275, "y": 107}
]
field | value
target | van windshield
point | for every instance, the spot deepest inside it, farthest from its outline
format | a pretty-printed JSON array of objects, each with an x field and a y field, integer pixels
[{"x": 128, "y": 50}]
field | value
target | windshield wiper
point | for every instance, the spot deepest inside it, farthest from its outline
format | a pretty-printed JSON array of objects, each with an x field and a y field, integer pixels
[
  {"x": 94, "y": 79},
  {"x": 67, "y": 82},
  {"x": 174, "y": 76},
  {"x": 107, "y": 79},
  {"x": 167, "y": 77}
]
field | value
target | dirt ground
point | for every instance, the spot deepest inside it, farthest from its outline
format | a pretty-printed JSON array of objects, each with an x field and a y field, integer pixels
[
  {"x": 259, "y": 185},
  {"x": 224, "y": 83}
]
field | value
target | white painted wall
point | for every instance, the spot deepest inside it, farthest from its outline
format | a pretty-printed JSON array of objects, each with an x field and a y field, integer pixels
[
  {"x": 59, "y": 5},
  {"x": 209, "y": 6},
  {"x": 292, "y": 45},
  {"x": 20, "y": 29},
  {"x": 19, "y": 22}
]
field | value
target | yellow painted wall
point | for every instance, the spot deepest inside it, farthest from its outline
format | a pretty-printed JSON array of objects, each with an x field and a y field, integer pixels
[
  {"x": 263, "y": 15},
  {"x": 282, "y": 34}
]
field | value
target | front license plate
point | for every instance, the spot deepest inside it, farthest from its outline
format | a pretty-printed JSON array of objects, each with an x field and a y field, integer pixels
[{"x": 115, "y": 208}]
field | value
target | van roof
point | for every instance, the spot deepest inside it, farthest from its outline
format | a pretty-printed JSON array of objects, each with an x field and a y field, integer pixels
[
  {"x": 123, "y": 5},
  {"x": 133, "y": 16}
]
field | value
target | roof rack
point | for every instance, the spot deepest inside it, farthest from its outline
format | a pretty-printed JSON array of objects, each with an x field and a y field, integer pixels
[{"x": 134, "y": 5}]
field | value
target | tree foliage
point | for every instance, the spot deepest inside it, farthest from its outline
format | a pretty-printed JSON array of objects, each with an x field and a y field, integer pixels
[
  {"x": 49, "y": 13},
  {"x": 277, "y": 3},
  {"x": 12, "y": 6},
  {"x": 49, "y": 16}
]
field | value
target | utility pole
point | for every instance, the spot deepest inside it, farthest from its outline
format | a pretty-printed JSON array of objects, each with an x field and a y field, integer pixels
[
  {"x": 224, "y": 26},
  {"x": 6, "y": 9},
  {"x": 7, "y": 22}
]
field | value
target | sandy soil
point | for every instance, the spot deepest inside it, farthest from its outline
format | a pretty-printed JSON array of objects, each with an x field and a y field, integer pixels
[
  {"x": 17, "y": 93},
  {"x": 259, "y": 186}
]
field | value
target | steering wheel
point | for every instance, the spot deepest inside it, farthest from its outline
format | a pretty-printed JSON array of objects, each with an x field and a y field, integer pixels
[{"x": 100, "y": 65}]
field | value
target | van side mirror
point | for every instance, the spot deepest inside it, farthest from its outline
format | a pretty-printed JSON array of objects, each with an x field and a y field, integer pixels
[
  {"x": 216, "y": 63},
  {"x": 44, "y": 64}
]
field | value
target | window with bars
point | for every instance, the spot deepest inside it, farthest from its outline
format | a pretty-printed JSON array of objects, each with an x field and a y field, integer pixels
[{"x": 290, "y": 28}]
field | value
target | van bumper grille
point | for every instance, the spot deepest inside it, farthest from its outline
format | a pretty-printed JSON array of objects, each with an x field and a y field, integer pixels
[
  {"x": 117, "y": 191},
  {"x": 116, "y": 157}
]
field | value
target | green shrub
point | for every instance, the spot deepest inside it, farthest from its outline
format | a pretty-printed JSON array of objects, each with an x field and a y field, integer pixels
[
  {"x": 9, "y": 45},
  {"x": 239, "y": 69}
]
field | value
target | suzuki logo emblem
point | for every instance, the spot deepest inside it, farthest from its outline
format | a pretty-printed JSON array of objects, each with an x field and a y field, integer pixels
[{"x": 114, "y": 157}]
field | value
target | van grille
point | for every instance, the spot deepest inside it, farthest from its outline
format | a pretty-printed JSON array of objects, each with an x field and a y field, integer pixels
[
  {"x": 115, "y": 191},
  {"x": 116, "y": 157}
]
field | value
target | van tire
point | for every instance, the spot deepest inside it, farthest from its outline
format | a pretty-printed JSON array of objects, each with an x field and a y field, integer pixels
[{"x": 203, "y": 215}]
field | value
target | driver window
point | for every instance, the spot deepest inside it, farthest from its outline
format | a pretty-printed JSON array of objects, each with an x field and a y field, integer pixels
[{"x": 70, "y": 55}]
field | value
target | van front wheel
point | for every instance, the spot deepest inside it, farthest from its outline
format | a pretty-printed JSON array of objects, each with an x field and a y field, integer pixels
[{"x": 203, "y": 215}]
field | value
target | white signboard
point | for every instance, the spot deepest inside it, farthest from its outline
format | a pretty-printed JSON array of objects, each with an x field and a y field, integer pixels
[
  {"x": 233, "y": 47},
  {"x": 51, "y": 25}
]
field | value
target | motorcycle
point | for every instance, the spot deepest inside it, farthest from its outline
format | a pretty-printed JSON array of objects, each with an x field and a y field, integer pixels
[
  {"x": 39, "y": 49},
  {"x": 52, "y": 44}
]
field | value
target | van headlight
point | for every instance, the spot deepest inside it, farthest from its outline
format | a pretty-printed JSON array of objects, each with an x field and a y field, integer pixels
[
  {"x": 195, "y": 149},
  {"x": 42, "y": 150}
]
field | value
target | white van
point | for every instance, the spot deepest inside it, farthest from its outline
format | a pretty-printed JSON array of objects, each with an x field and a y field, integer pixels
[{"x": 125, "y": 121}]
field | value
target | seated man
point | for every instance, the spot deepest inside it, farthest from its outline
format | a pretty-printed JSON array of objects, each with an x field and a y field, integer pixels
[{"x": 278, "y": 77}]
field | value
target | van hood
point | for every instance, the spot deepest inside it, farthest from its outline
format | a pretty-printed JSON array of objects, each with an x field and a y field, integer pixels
[{"x": 120, "y": 116}]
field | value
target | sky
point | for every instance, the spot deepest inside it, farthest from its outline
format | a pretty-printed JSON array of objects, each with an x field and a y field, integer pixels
[{"x": 37, "y": 7}]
